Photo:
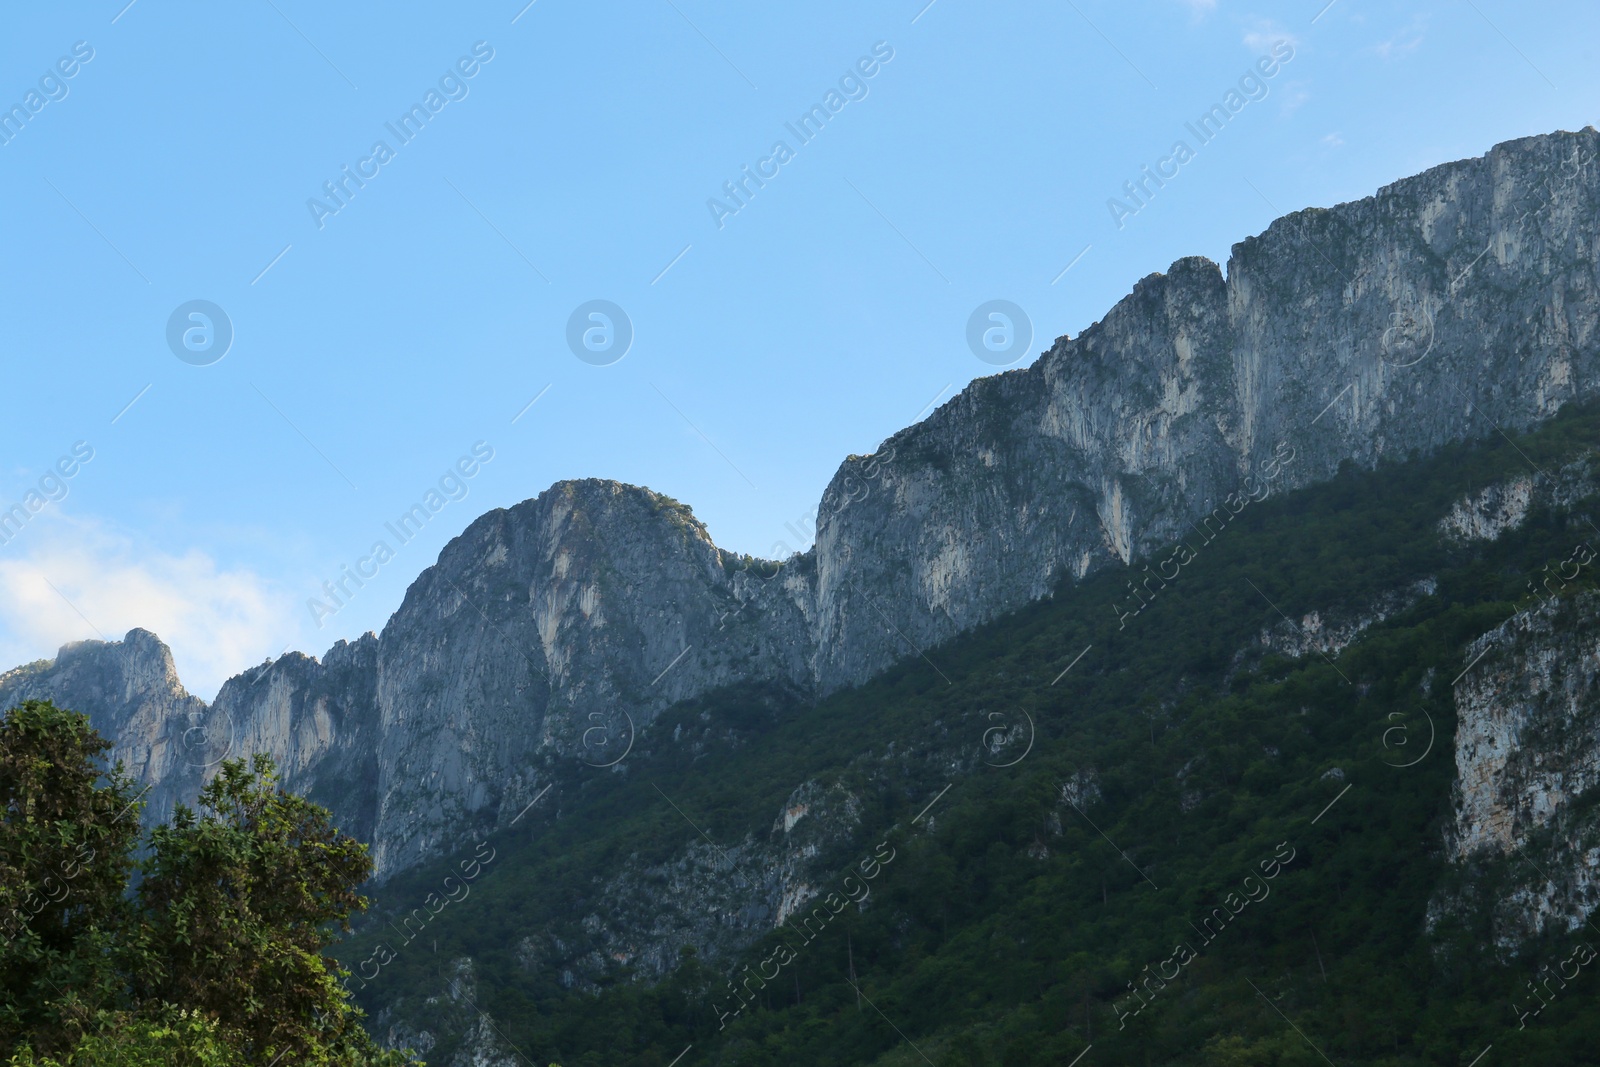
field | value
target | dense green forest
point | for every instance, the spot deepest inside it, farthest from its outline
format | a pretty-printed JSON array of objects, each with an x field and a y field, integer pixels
[{"x": 1208, "y": 855}]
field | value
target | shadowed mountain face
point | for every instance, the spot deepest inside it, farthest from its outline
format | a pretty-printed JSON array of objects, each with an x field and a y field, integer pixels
[{"x": 1451, "y": 304}]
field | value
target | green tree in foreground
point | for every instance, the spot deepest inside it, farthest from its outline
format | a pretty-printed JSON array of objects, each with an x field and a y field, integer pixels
[
  {"x": 67, "y": 834},
  {"x": 213, "y": 958},
  {"x": 188, "y": 1039}
]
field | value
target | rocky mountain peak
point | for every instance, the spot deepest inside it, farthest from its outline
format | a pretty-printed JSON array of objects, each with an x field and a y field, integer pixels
[
  {"x": 1450, "y": 305},
  {"x": 137, "y": 666}
]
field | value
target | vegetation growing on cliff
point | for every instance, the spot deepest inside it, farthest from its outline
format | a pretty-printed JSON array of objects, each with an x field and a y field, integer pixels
[
  {"x": 1037, "y": 909},
  {"x": 1155, "y": 835}
]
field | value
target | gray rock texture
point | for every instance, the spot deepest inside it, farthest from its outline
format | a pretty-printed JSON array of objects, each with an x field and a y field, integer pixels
[
  {"x": 131, "y": 693},
  {"x": 1527, "y": 749},
  {"x": 1448, "y": 305},
  {"x": 1529, "y": 737}
]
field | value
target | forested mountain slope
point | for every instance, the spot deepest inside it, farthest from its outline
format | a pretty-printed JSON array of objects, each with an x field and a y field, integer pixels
[{"x": 1321, "y": 783}]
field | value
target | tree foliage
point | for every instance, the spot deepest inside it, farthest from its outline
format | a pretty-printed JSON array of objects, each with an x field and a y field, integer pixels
[
  {"x": 66, "y": 852},
  {"x": 208, "y": 949}
]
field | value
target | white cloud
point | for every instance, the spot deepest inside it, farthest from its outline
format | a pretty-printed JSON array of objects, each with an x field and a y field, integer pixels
[
  {"x": 1295, "y": 94},
  {"x": 1333, "y": 140},
  {"x": 1404, "y": 42},
  {"x": 67, "y": 579},
  {"x": 1265, "y": 34},
  {"x": 1199, "y": 9}
]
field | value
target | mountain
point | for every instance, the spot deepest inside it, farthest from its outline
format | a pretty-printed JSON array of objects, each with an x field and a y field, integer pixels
[
  {"x": 1453, "y": 304},
  {"x": 1329, "y": 793},
  {"x": 130, "y": 691}
]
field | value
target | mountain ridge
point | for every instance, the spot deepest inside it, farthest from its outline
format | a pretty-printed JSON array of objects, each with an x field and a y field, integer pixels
[
  {"x": 1305, "y": 679},
  {"x": 1448, "y": 305}
]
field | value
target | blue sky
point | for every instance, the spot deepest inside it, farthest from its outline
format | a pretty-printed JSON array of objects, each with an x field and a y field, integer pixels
[{"x": 374, "y": 346}]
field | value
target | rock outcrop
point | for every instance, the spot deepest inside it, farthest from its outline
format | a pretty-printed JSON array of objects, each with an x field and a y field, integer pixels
[
  {"x": 1491, "y": 511},
  {"x": 1527, "y": 751},
  {"x": 130, "y": 690},
  {"x": 1449, "y": 305},
  {"x": 1528, "y": 742},
  {"x": 561, "y": 625}
]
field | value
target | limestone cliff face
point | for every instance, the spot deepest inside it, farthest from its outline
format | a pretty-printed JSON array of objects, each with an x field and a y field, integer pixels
[
  {"x": 1450, "y": 303},
  {"x": 1488, "y": 513},
  {"x": 1527, "y": 745},
  {"x": 316, "y": 719},
  {"x": 1527, "y": 751},
  {"x": 561, "y": 625},
  {"x": 1529, "y": 736},
  {"x": 131, "y": 693}
]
